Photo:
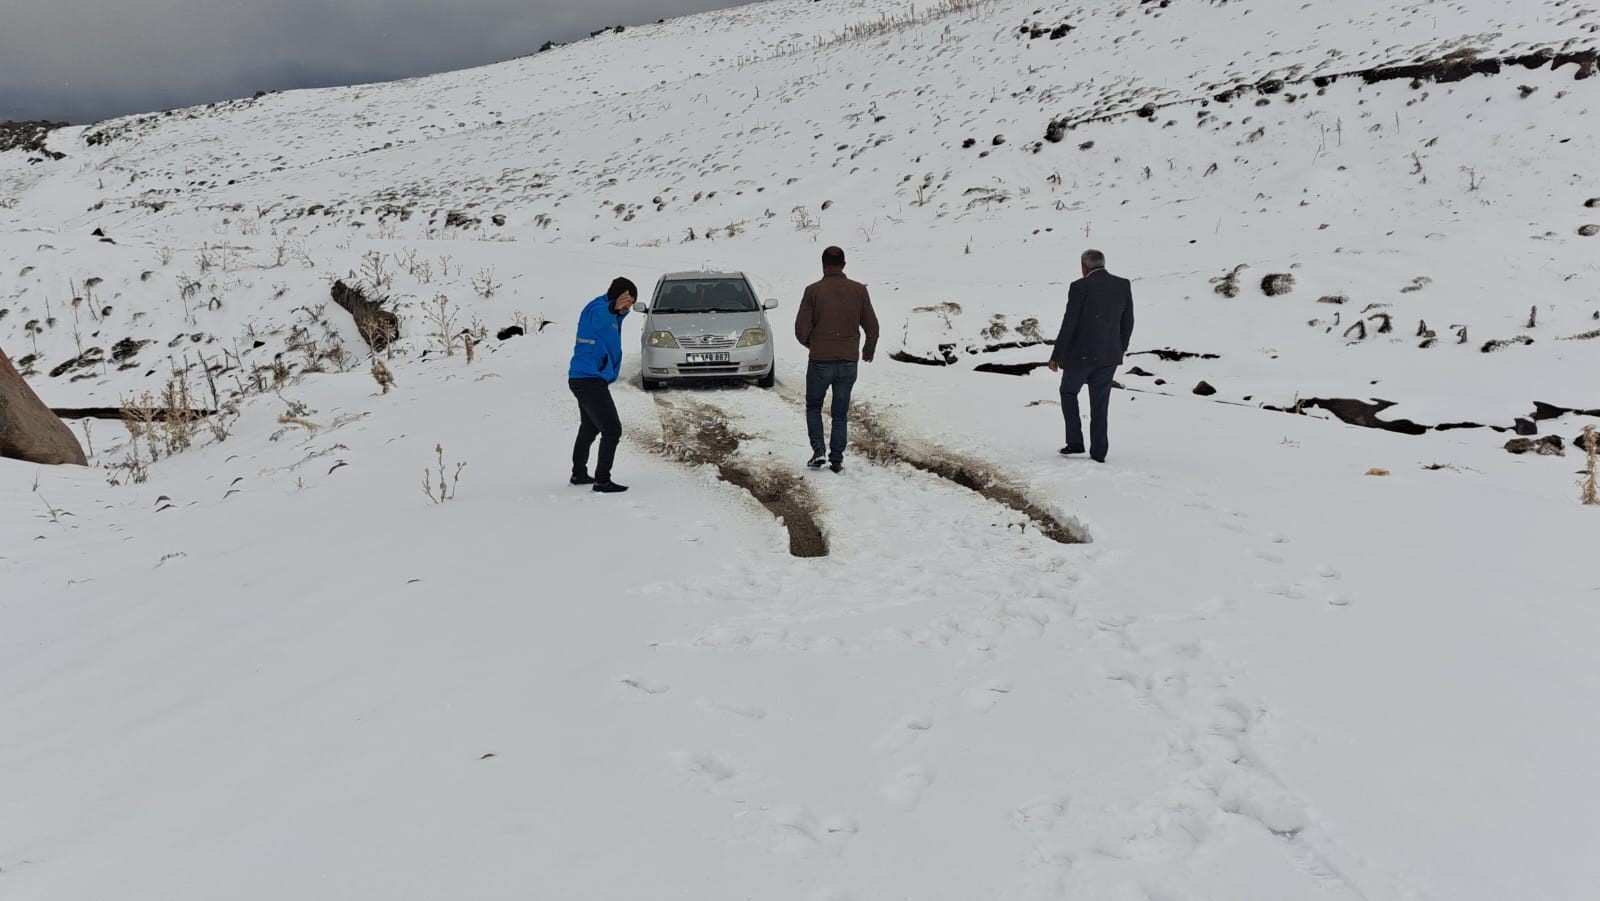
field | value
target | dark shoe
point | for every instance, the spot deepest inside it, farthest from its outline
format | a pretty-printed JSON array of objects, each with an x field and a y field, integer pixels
[
  {"x": 837, "y": 466},
  {"x": 581, "y": 478},
  {"x": 608, "y": 487},
  {"x": 1072, "y": 449},
  {"x": 818, "y": 460},
  {"x": 1098, "y": 459}
]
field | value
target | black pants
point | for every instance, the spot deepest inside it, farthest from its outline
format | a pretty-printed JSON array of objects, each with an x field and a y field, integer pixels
[
  {"x": 598, "y": 417},
  {"x": 1099, "y": 381}
]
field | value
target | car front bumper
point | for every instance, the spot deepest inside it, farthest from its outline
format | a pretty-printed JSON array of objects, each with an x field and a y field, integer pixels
[{"x": 664, "y": 363}]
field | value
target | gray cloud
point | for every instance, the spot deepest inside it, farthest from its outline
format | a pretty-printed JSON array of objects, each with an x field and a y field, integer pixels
[{"x": 84, "y": 60}]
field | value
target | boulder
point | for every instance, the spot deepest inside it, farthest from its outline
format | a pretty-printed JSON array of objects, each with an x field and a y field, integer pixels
[{"x": 28, "y": 430}]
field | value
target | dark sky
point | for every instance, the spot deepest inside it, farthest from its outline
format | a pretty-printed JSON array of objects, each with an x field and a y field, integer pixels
[{"x": 86, "y": 60}]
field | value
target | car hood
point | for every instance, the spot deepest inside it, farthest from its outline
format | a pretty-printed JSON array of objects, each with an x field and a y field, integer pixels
[{"x": 729, "y": 324}]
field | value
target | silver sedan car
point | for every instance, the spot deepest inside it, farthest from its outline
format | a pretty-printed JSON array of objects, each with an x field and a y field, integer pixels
[{"x": 705, "y": 325}]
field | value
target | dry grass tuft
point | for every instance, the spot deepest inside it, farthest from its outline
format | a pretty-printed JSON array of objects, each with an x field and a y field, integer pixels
[
  {"x": 446, "y": 489},
  {"x": 1591, "y": 443},
  {"x": 382, "y": 375}
]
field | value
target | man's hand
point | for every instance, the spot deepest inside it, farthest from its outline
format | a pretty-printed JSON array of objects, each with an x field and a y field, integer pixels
[
  {"x": 867, "y": 358},
  {"x": 1054, "y": 366}
]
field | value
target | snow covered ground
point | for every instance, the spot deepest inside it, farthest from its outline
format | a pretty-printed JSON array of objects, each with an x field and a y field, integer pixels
[{"x": 273, "y": 668}]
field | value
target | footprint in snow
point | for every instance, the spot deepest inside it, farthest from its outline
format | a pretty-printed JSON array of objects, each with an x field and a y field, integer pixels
[
  {"x": 646, "y": 685},
  {"x": 982, "y": 698},
  {"x": 1269, "y": 557},
  {"x": 748, "y": 711},
  {"x": 906, "y": 732},
  {"x": 905, "y": 788},
  {"x": 798, "y": 831},
  {"x": 706, "y": 768},
  {"x": 1292, "y": 592},
  {"x": 1041, "y": 814},
  {"x": 1328, "y": 572}
]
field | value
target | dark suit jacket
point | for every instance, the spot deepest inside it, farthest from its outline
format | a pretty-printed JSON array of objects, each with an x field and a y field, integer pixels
[{"x": 1098, "y": 324}]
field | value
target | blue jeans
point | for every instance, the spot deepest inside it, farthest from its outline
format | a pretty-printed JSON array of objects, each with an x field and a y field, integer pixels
[
  {"x": 1099, "y": 381},
  {"x": 841, "y": 377}
]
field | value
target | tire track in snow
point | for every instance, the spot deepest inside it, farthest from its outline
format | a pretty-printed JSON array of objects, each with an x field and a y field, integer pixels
[
  {"x": 698, "y": 434},
  {"x": 875, "y": 437}
]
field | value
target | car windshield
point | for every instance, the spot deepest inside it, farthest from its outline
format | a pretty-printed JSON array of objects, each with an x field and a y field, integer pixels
[{"x": 709, "y": 295}]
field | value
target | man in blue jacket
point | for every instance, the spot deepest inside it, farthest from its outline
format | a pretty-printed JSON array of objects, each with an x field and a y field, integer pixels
[
  {"x": 1094, "y": 335},
  {"x": 596, "y": 359}
]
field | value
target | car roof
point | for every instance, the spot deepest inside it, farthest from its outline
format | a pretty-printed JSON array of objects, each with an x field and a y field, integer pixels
[{"x": 699, "y": 274}]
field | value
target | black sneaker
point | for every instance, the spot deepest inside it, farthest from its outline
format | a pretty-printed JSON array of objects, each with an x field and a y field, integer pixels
[
  {"x": 581, "y": 478},
  {"x": 1072, "y": 449},
  {"x": 837, "y": 466},
  {"x": 608, "y": 487},
  {"x": 818, "y": 460}
]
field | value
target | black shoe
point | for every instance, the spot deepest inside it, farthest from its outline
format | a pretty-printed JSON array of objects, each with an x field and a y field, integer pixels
[
  {"x": 1098, "y": 459},
  {"x": 1072, "y": 449},
  {"x": 608, "y": 487},
  {"x": 837, "y": 466},
  {"x": 581, "y": 478},
  {"x": 818, "y": 460}
]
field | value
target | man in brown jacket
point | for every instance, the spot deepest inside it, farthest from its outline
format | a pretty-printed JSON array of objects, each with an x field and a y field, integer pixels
[{"x": 833, "y": 314}]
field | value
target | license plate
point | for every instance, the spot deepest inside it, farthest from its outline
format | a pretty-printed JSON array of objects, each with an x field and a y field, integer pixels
[{"x": 706, "y": 358}]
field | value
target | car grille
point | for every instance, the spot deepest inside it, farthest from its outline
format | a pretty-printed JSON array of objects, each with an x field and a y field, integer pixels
[
  {"x": 706, "y": 342},
  {"x": 709, "y": 367}
]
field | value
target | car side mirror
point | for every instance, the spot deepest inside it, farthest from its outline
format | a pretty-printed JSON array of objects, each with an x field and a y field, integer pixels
[
  {"x": 641, "y": 307},
  {"x": 769, "y": 304}
]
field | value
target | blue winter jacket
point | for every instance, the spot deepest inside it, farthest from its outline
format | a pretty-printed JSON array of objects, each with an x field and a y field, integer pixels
[{"x": 598, "y": 351}]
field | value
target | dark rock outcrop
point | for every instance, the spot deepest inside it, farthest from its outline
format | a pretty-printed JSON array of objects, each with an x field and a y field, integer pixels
[{"x": 28, "y": 430}]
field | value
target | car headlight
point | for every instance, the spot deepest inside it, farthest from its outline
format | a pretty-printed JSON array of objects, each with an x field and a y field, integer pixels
[
  {"x": 661, "y": 339},
  {"x": 753, "y": 337}
]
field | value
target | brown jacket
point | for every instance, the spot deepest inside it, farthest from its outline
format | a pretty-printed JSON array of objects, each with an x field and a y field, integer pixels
[{"x": 832, "y": 313}]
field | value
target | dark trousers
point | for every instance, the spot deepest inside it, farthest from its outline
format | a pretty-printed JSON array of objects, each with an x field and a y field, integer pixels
[
  {"x": 840, "y": 377},
  {"x": 1099, "y": 381},
  {"x": 598, "y": 417}
]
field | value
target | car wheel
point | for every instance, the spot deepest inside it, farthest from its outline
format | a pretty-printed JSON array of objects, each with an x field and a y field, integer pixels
[{"x": 770, "y": 379}]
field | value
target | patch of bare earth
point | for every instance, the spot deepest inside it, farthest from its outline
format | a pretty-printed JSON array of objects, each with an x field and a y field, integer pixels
[{"x": 696, "y": 434}]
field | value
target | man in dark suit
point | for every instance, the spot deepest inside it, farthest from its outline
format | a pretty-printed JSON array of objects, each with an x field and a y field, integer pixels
[{"x": 1094, "y": 336}]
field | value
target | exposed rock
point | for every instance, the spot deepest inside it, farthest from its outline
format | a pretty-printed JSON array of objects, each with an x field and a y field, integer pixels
[
  {"x": 510, "y": 331},
  {"x": 1008, "y": 368},
  {"x": 28, "y": 430},
  {"x": 1169, "y": 355},
  {"x": 1277, "y": 283},
  {"x": 1549, "y": 446},
  {"x": 1543, "y": 411},
  {"x": 1357, "y": 412},
  {"x": 1525, "y": 426},
  {"x": 378, "y": 326},
  {"x": 1204, "y": 389},
  {"x": 29, "y": 137},
  {"x": 946, "y": 351}
]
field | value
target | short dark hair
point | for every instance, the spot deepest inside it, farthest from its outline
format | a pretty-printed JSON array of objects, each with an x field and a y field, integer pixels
[
  {"x": 619, "y": 287},
  {"x": 1094, "y": 259},
  {"x": 833, "y": 256}
]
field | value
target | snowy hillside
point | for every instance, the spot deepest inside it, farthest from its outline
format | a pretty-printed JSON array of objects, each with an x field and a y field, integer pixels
[{"x": 249, "y": 659}]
